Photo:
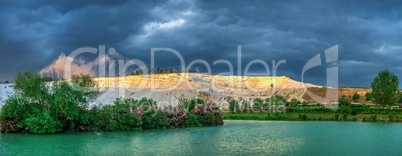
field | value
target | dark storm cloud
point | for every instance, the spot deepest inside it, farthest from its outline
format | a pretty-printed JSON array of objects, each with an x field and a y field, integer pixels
[{"x": 33, "y": 33}]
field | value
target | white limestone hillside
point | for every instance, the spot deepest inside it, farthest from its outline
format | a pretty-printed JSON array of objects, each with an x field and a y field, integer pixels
[
  {"x": 5, "y": 91},
  {"x": 167, "y": 88}
]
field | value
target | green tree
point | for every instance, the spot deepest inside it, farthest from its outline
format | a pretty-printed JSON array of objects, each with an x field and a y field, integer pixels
[
  {"x": 40, "y": 107},
  {"x": 233, "y": 106},
  {"x": 368, "y": 96},
  {"x": 385, "y": 88},
  {"x": 294, "y": 102},
  {"x": 257, "y": 103},
  {"x": 355, "y": 97}
]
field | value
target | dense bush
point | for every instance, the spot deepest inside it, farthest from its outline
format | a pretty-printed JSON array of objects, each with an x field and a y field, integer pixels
[
  {"x": 234, "y": 106},
  {"x": 206, "y": 119},
  {"x": 208, "y": 115},
  {"x": 368, "y": 96},
  {"x": 39, "y": 106},
  {"x": 294, "y": 103},
  {"x": 192, "y": 121},
  {"x": 154, "y": 119},
  {"x": 355, "y": 97},
  {"x": 302, "y": 117},
  {"x": 176, "y": 116},
  {"x": 385, "y": 88},
  {"x": 190, "y": 104},
  {"x": 116, "y": 117},
  {"x": 43, "y": 122},
  {"x": 309, "y": 110}
]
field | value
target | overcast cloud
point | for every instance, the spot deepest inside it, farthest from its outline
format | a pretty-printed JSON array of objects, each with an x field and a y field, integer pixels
[{"x": 35, "y": 33}]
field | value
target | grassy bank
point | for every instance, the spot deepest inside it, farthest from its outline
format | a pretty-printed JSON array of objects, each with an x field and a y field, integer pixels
[{"x": 314, "y": 117}]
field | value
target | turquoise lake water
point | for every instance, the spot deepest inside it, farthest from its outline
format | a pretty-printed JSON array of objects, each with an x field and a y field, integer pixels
[{"x": 233, "y": 138}]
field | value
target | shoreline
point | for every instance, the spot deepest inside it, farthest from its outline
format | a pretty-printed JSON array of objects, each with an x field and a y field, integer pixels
[{"x": 375, "y": 118}]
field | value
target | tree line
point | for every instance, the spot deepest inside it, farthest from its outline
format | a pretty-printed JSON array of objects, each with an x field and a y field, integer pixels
[
  {"x": 161, "y": 71},
  {"x": 39, "y": 106}
]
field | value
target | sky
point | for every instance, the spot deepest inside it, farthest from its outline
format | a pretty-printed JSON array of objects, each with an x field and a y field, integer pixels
[{"x": 35, "y": 34}]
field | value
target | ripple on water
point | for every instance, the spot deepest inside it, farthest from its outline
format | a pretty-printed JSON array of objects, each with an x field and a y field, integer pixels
[{"x": 233, "y": 138}]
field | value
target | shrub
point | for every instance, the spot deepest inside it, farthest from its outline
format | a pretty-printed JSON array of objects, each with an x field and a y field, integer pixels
[
  {"x": 192, "y": 121},
  {"x": 336, "y": 117},
  {"x": 245, "y": 106},
  {"x": 190, "y": 104},
  {"x": 37, "y": 107},
  {"x": 391, "y": 118},
  {"x": 344, "y": 109},
  {"x": 356, "y": 97},
  {"x": 368, "y": 96},
  {"x": 345, "y": 117},
  {"x": 302, "y": 117},
  {"x": 233, "y": 106},
  {"x": 364, "y": 119},
  {"x": 14, "y": 113},
  {"x": 42, "y": 123},
  {"x": 354, "y": 112},
  {"x": 176, "y": 116},
  {"x": 154, "y": 119},
  {"x": 373, "y": 118},
  {"x": 206, "y": 119},
  {"x": 35, "y": 103},
  {"x": 115, "y": 117},
  {"x": 294, "y": 103},
  {"x": 258, "y": 103}
]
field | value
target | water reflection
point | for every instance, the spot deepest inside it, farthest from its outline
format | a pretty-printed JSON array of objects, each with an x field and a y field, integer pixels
[{"x": 234, "y": 138}]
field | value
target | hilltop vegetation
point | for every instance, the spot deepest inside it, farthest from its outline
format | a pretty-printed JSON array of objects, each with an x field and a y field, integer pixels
[{"x": 385, "y": 95}]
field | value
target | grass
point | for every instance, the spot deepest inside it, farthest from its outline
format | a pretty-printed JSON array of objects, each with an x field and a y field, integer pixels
[{"x": 313, "y": 117}]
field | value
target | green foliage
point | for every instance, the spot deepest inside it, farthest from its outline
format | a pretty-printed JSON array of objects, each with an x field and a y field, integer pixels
[
  {"x": 190, "y": 104},
  {"x": 154, "y": 119},
  {"x": 336, "y": 117},
  {"x": 192, "y": 121},
  {"x": 344, "y": 109},
  {"x": 176, "y": 116},
  {"x": 42, "y": 123},
  {"x": 400, "y": 99},
  {"x": 32, "y": 86},
  {"x": 116, "y": 117},
  {"x": 13, "y": 114},
  {"x": 294, "y": 103},
  {"x": 245, "y": 106},
  {"x": 144, "y": 102},
  {"x": 356, "y": 97},
  {"x": 276, "y": 100},
  {"x": 59, "y": 106},
  {"x": 385, "y": 88},
  {"x": 368, "y": 96},
  {"x": 345, "y": 117},
  {"x": 38, "y": 108},
  {"x": 353, "y": 112},
  {"x": 206, "y": 119},
  {"x": 233, "y": 106},
  {"x": 343, "y": 102},
  {"x": 258, "y": 102},
  {"x": 391, "y": 118},
  {"x": 302, "y": 117}
]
